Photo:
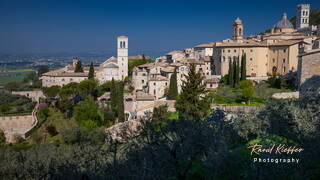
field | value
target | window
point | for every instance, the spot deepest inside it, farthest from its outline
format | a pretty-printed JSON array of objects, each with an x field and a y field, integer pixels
[
  {"x": 222, "y": 50},
  {"x": 124, "y": 44},
  {"x": 284, "y": 60},
  {"x": 273, "y": 60},
  {"x": 284, "y": 69},
  {"x": 62, "y": 80},
  {"x": 235, "y": 50},
  {"x": 71, "y": 79},
  {"x": 251, "y": 50},
  {"x": 250, "y": 59},
  {"x": 224, "y": 59},
  {"x": 284, "y": 50},
  {"x": 120, "y": 44},
  {"x": 142, "y": 81},
  {"x": 154, "y": 83},
  {"x": 228, "y": 50}
]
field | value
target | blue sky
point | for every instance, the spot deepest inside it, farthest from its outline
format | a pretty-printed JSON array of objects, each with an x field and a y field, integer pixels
[{"x": 41, "y": 26}]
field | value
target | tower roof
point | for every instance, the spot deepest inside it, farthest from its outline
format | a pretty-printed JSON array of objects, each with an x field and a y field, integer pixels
[
  {"x": 122, "y": 36},
  {"x": 284, "y": 23},
  {"x": 238, "y": 21}
]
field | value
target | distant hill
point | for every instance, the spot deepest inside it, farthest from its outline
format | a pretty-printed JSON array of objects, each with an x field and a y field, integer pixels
[{"x": 314, "y": 18}]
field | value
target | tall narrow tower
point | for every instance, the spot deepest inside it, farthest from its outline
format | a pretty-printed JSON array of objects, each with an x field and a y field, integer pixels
[
  {"x": 123, "y": 56},
  {"x": 238, "y": 29},
  {"x": 303, "y": 15}
]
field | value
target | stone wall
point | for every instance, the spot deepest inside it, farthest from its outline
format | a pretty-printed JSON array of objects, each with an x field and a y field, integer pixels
[
  {"x": 16, "y": 125},
  {"x": 245, "y": 109},
  {"x": 34, "y": 95},
  {"x": 286, "y": 95},
  {"x": 309, "y": 72}
]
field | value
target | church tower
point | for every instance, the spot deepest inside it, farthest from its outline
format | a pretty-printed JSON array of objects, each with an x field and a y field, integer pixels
[
  {"x": 123, "y": 56},
  {"x": 303, "y": 15},
  {"x": 238, "y": 29}
]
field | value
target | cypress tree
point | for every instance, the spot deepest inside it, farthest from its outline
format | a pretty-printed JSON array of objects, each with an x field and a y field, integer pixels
[
  {"x": 193, "y": 104},
  {"x": 237, "y": 71},
  {"x": 120, "y": 106},
  {"x": 113, "y": 97},
  {"x": 243, "y": 67},
  {"x": 78, "y": 67},
  {"x": 173, "y": 87},
  {"x": 91, "y": 71},
  {"x": 230, "y": 74},
  {"x": 234, "y": 66}
]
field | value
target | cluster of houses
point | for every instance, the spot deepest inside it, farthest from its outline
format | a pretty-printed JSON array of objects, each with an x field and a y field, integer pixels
[{"x": 282, "y": 50}]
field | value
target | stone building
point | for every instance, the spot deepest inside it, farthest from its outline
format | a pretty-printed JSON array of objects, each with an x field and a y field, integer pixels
[
  {"x": 112, "y": 68},
  {"x": 309, "y": 72},
  {"x": 154, "y": 78},
  {"x": 272, "y": 53}
]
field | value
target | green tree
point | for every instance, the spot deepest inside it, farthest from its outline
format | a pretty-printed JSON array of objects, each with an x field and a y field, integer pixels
[
  {"x": 114, "y": 96},
  {"x": 42, "y": 70},
  {"x": 88, "y": 88},
  {"x": 243, "y": 67},
  {"x": 78, "y": 67},
  {"x": 247, "y": 90},
  {"x": 173, "y": 87},
  {"x": 234, "y": 68},
  {"x": 192, "y": 103},
  {"x": 88, "y": 114},
  {"x": 231, "y": 73},
  {"x": 237, "y": 71},
  {"x": 91, "y": 72},
  {"x": 52, "y": 91},
  {"x": 120, "y": 106},
  {"x": 2, "y": 138}
]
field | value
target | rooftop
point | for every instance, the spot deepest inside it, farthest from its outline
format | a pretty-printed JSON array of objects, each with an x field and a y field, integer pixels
[{"x": 284, "y": 23}]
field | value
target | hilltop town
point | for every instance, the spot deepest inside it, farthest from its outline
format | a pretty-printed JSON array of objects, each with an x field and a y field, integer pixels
[{"x": 131, "y": 113}]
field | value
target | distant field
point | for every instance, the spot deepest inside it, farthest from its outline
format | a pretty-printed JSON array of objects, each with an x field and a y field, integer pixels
[
  {"x": 20, "y": 70},
  {"x": 13, "y": 75}
]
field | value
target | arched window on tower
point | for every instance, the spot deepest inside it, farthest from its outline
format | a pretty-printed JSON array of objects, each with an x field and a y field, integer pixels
[
  {"x": 120, "y": 44},
  {"x": 124, "y": 44},
  {"x": 240, "y": 31}
]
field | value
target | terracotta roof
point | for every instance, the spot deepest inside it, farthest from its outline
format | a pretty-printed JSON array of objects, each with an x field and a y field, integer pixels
[
  {"x": 61, "y": 73},
  {"x": 168, "y": 69},
  {"x": 212, "y": 80},
  {"x": 141, "y": 96},
  {"x": 245, "y": 43},
  {"x": 122, "y": 36},
  {"x": 175, "y": 52},
  {"x": 208, "y": 45},
  {"x": 176, "y": 64},
  {"x": 207, "y": 59},
  {"x": 152, "y": 65},
  {"x": 158, "y": 78},
  {"x": 193, "y": 61},
  {"x": 285, "y": 43}
]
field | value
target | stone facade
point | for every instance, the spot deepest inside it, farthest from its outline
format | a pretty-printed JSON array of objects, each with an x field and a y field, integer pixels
[
  {"x": 112, "y": 68},
  {"x": 309, "y": 72},
  {"x": 154, "y": 78}
]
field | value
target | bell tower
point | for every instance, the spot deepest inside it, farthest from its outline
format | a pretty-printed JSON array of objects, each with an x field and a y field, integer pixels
[
  {"x": 238, "y": 30},
  {"x": 303, "y": 15},
  {"x": 123, "y": 56}
]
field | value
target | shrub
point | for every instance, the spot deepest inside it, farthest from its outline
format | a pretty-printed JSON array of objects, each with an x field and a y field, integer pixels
[
  {"x": 52, "y": 130},
  {"x": 2, "y": 138}
]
